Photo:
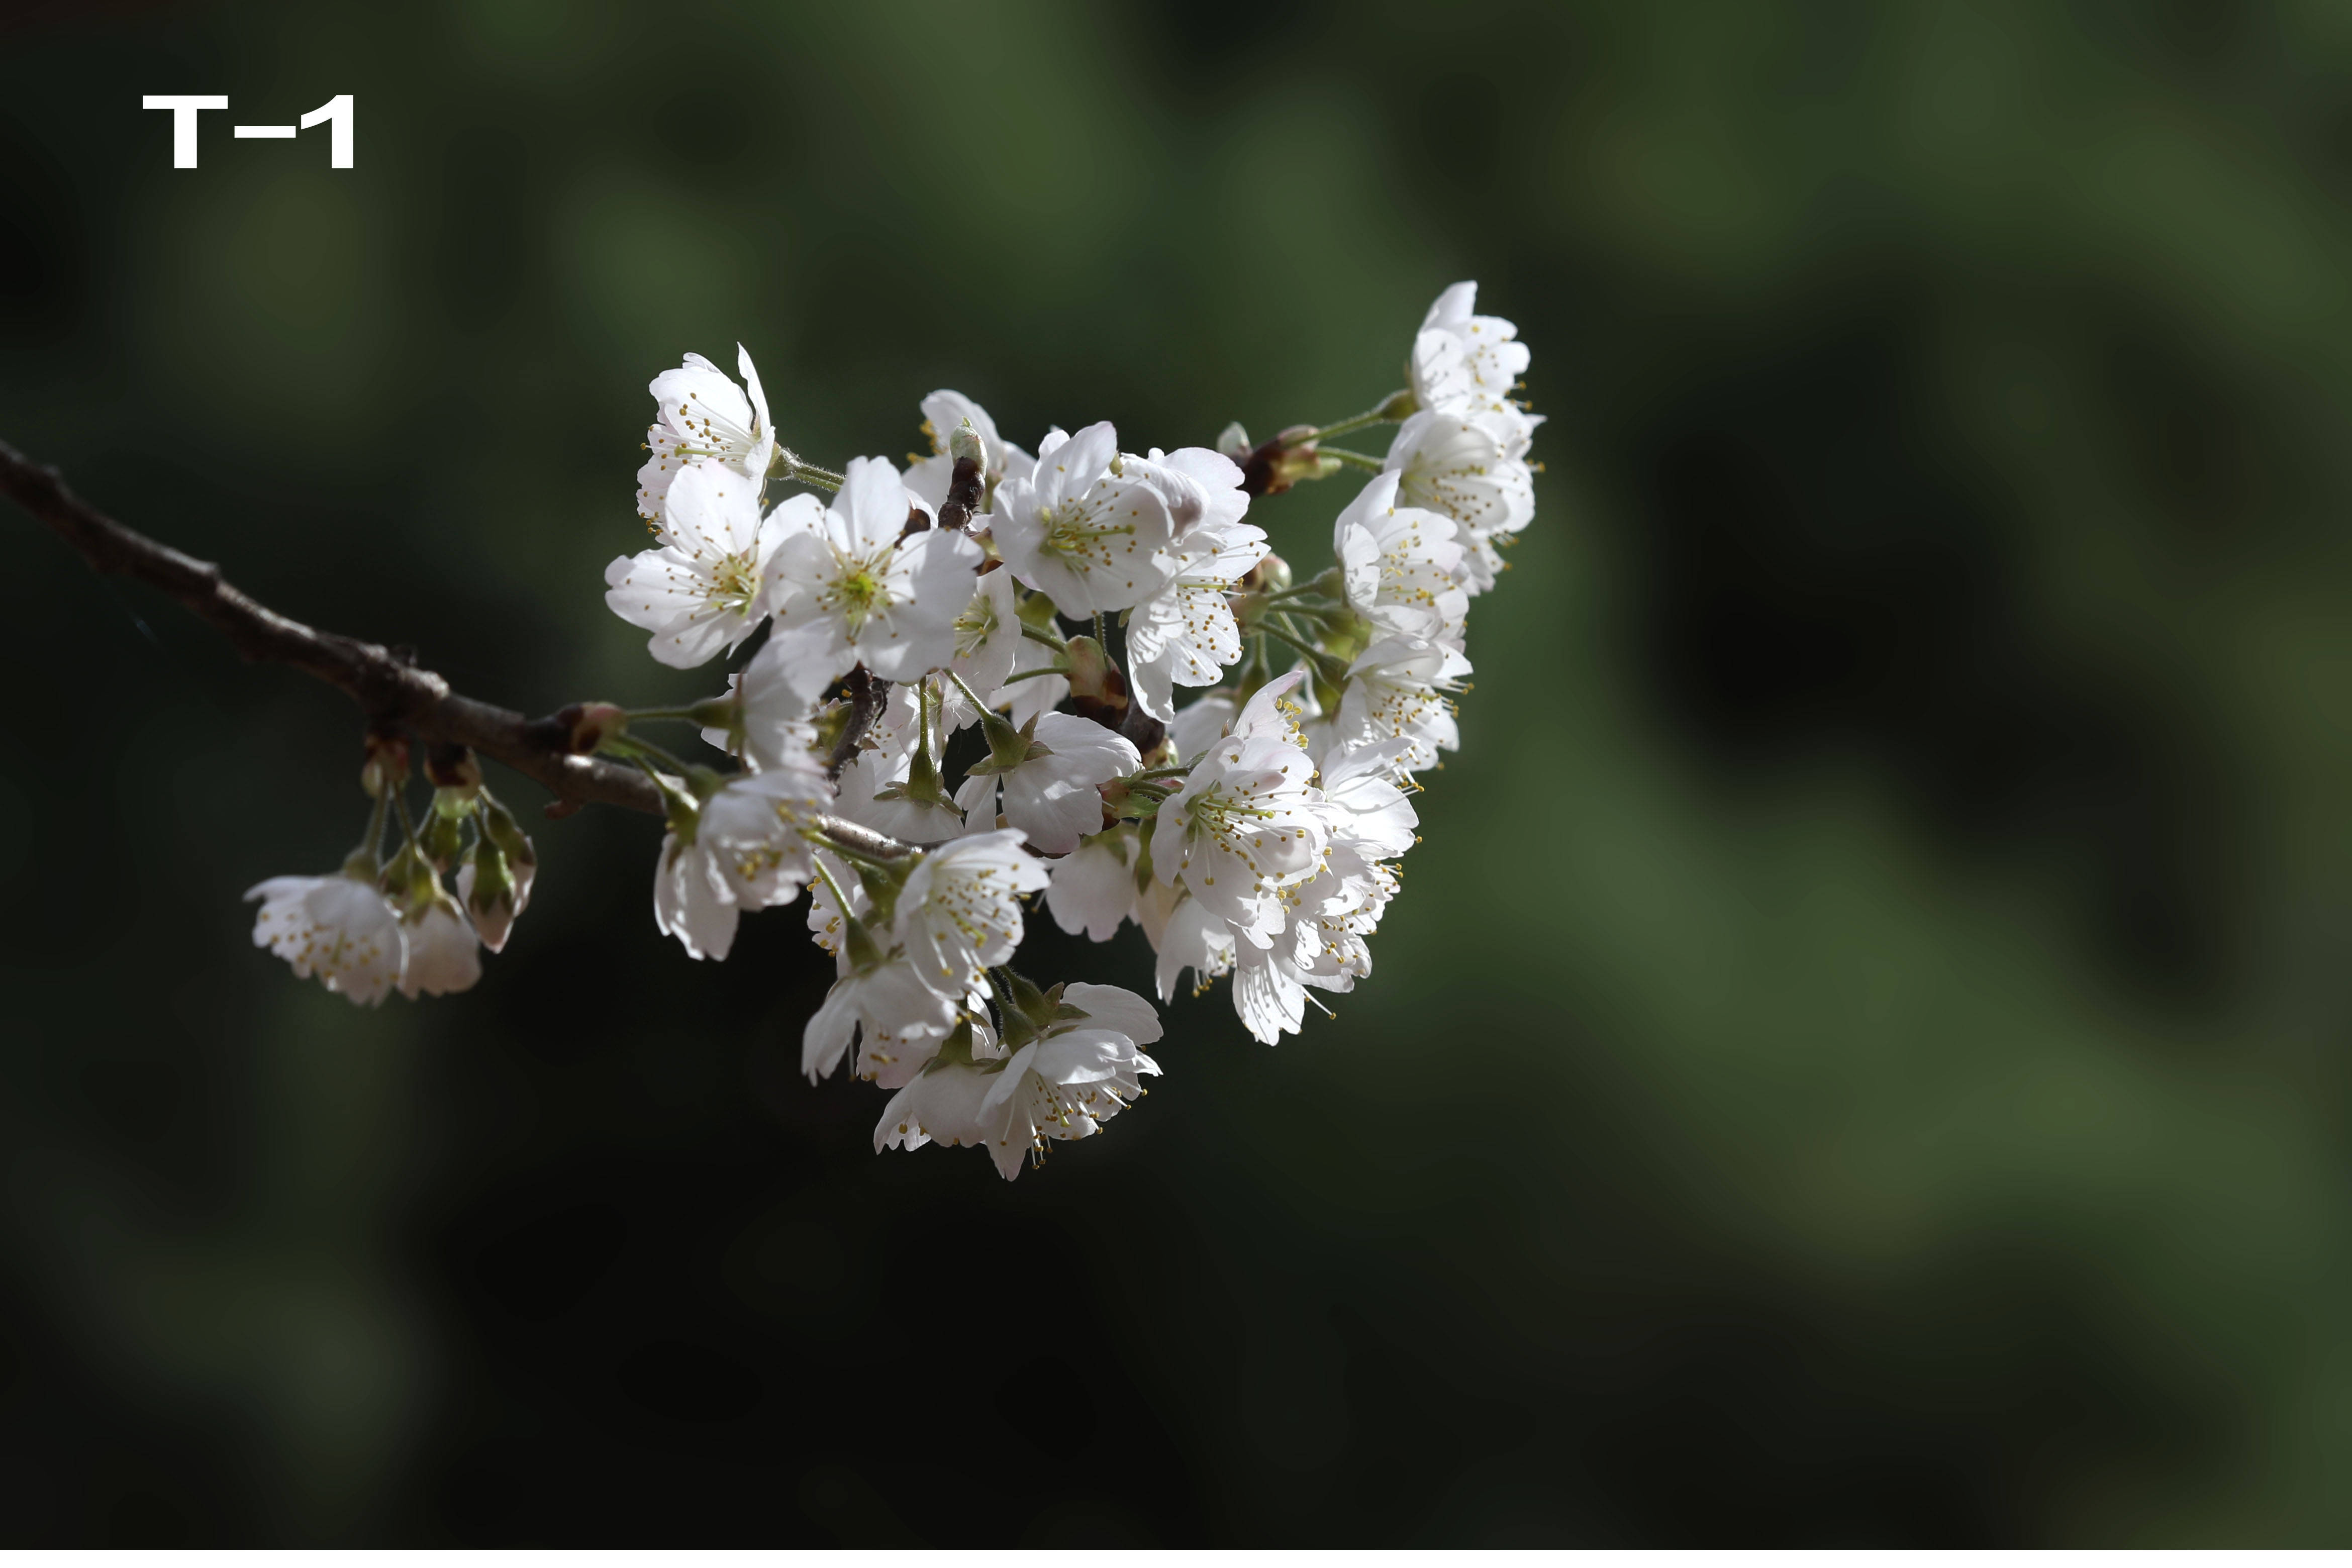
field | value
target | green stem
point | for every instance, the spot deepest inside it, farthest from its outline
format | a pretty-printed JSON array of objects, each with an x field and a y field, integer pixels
[
  {"x": 1320, "y": 583},
  {"x": 1049, "y": 638},
  {"x": 1378, "y": 415},
  {"x": 1290, "y": 626},
  {"x": 373, "y": 844},
  {"x": 629, "y": 745},
  {"x": 839, "y": 901},
  {"x": 969, "y": 695},
  {"x": 1360, "y": 459},
  {"x": 1314, "y": 655},
  {"x": 671, "y": 796},
  {"x": 808, "y": 473},
  {"x": 1173, "y": 771},
  {"x": 1041, "y": 669},
  {"x": 407, "y": 823}
]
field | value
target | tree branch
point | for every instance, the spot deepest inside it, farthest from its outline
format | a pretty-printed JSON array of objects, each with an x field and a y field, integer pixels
[{"x": 388, "y": 688}]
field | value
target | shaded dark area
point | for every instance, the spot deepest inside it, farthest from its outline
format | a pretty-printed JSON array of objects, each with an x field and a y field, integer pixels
[
  {"x": 1821, "y": 571},
  {"x": 1858, "y": 1059}
]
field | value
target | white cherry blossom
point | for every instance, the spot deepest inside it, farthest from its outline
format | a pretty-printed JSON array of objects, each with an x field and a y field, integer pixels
[
  {"x": 704, "y": 418},
  {"x": 705, "y": 588},
  {"x": 444, "y": 954},
  {"x": 1269, "y": 993},
  {"x": 339, "y": 928},
  {"x": 853, "y": 587},
  {"x": 744, "y": 851},
  {"x": 1065, "y": 1084},
  {"x": 871, "y": 786},
  {"x": 1193, "y": 937},
  {"x": 1081, "y": 532},
  {"x": 1465, "y": 466},
  {"x": 959, "y": 912},
  {"x": 896, "y": 1020},
  {"x": 1093, "y": 887},
  {"x": 775, "y": 725},
  {"x": 987, "y": 641},
  {"x": 1397, "y": 566},
  {"x": 877, "y": 788},
  {"x": 1365, "y": 806},
  {"x": 1464, "y": 363},
  {"x": 1054, "y": 796},
  {"x": 1246, "y": 824},
  {"x": 1184, "y": 633},
  {"x": 1200, "y": 724},
  {"x": 1401, "y": 688}
]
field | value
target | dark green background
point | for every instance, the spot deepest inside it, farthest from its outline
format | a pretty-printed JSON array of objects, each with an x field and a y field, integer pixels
[{"x": 1861, "y": 1057}]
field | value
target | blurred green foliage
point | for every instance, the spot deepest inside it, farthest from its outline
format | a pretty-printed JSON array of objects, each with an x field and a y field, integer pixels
[{"x": 1861, "y": 1057}]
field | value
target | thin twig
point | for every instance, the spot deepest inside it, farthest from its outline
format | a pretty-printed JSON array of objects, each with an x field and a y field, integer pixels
[{"x": 388, "y": 690}]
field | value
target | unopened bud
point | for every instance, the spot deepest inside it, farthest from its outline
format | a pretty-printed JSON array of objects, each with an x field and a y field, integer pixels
[
  {"x": 1097, "y": 691},
  {"x": 1091, "y": 673},
  {"x": 387, "y": 763},
  {"x": 499, "y": 823},
  {"x": 442, "y": 836},
  {"x": 965, "y": 444},
  {"x": 1270, "y": 575},
  {"x": 588, "y": 725},
  {"x": 499, "y": 829},
  {"x": 1298, "y": 462},
  {"x": 491, "y": 893},
  {"x": 451, "y": 766}
]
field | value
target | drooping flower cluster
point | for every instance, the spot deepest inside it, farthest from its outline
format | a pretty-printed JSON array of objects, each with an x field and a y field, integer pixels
[
  {"x": 379, "y": 924},
  {"x": 1035, "y": 616}
]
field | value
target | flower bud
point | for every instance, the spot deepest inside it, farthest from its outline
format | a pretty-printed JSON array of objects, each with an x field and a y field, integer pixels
[
  {"x": 1234, "y": 441},
  {"x": 1091, "y": 672},
  {"x": 1295, "y": 462},
  {"x": 586, "y": 726},
  {"x": 387, "y": 763},
  {"x": 491, "y": 895},
  {"x": 443, "y": 837},
  {"x": 1097, "y": 691},
  {"x": 965, "y": 444},
  {"x": 1270, "y": 575},
  {"x": 498, "y": 826},
  {"x": 450, "y": 766}
]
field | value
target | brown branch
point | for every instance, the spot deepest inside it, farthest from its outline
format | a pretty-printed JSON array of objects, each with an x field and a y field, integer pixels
[
  {"x": 388, "y": 690},
  {"x": 966, "y": 490},
  {"x": 867, "y": 692}
]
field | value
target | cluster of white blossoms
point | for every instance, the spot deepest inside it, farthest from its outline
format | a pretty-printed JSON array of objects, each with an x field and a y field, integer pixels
[
  {"x": 377, "y": 923},
  {"x": 967, "y": 698}
]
